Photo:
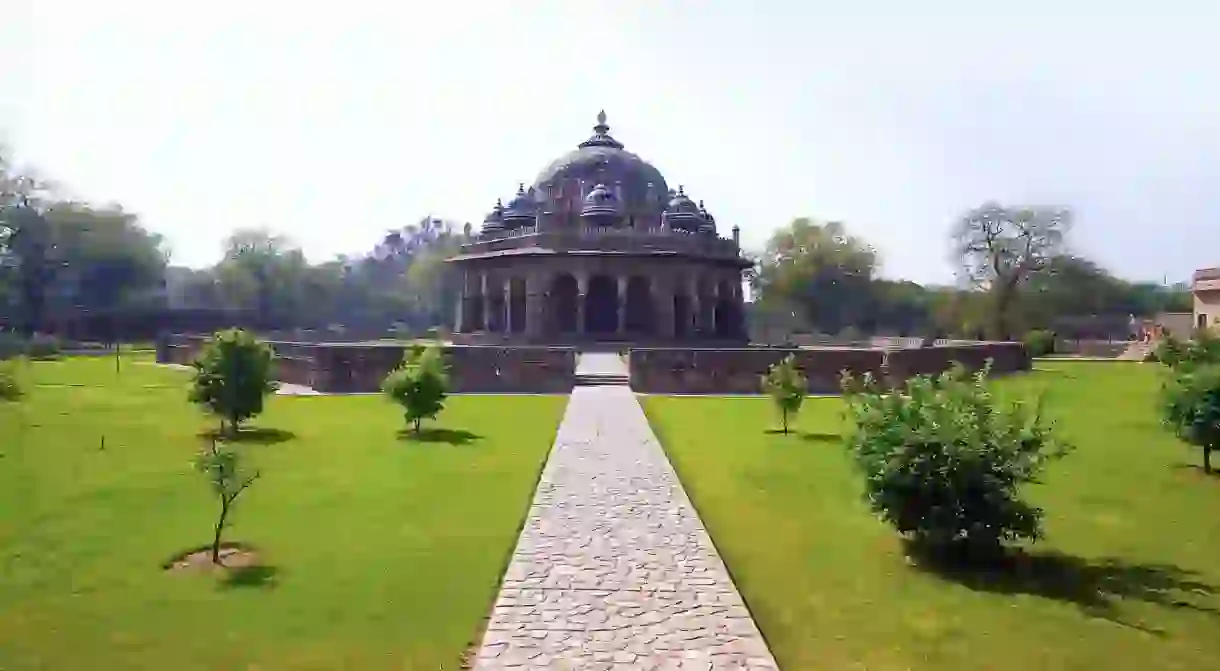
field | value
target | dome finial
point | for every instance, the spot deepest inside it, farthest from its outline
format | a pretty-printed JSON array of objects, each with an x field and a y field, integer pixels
[{"x": 601, "y": 134}]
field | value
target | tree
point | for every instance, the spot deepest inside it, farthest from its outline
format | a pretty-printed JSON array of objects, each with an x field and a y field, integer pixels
[
  {"x": 225, "y": 472},
  {"x": 233, "y": 376},
  {"x": 786, "y": 386},
  {"x": 999, "y": 249},
  {"x": 820, "y": 270},
  {"x": 1190, "y": 404},
  {"x": 262, "y": 272},
  {"x": 419, "y": 384},
  {"x": 944, "y": 461}
]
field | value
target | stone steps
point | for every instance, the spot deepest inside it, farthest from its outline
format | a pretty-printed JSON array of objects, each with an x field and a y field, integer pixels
[{"x": 601, "y": 379}]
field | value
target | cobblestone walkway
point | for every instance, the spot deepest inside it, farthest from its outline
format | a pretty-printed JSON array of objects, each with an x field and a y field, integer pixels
[{"x": 613, "y": 569}]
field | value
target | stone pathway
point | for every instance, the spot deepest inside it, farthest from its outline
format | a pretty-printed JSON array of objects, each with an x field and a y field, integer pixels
[
  {"x": 613, "y": 569},
  {"x": 600, "y": 363}
]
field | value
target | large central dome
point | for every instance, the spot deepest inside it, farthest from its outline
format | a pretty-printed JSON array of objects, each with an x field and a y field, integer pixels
[{"x": 602, "y": 160}]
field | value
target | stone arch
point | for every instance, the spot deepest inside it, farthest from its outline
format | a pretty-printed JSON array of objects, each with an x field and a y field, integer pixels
[
  {"x": 563, "y": 303},
  {"x": 640, "y": 311},
  {"x": 472, "y": 320},
  {"x": 516, "y": 305},
  {"x": 682, "y": 308},
  {"x": 601, "y": 305}
]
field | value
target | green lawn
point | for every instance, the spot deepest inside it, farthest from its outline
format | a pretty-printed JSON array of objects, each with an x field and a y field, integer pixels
[
  {"x": 380, "y": 553},
  {"x": 1127, "y": 578}
]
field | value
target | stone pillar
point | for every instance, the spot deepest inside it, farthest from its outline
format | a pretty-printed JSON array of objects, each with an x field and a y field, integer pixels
[
  {"x": 696, "y": 307},
  {"x": 484, "y": 302},
  {"x": 459, "y": 323},
  {"x": 508, "y": 306},
  {"x": 582, "y": 286},
  {"x": 535, "y": 304},
  {"x": 622, "y": 306}
]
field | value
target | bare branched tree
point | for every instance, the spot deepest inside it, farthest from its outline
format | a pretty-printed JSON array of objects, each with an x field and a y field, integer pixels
[{"x": 998, "y": 249}]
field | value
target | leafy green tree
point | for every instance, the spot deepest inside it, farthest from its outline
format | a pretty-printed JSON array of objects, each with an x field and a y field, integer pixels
[
  {"x": 419, "y": 384},
  {"x": 1190, "y": 404},
  {"x": 944, "y": 461},
  {"x": 233, "y": 376},
  {"x": 229, "y": 478},
  {"x": 786, "y": 386},
  {"x": 821, "y": 270}
]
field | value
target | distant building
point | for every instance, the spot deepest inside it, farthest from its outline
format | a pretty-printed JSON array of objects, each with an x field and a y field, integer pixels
[{"x": 1206, "y": 290}]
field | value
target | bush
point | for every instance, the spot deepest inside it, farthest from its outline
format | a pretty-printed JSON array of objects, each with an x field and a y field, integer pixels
[
  {"x": 233, "y": 376},
  {"x": 944, "y": 461},
  {"x": 1181, "y": 356},
  {"x": 419, "y": 384},
  {"x": 1040, "y": 342},
  {"x": 1190, "y": 404},
  {"x": 787, "y": 387},
  {"x": 39, "y": 346},
  {"x": 11, "y": 386}
]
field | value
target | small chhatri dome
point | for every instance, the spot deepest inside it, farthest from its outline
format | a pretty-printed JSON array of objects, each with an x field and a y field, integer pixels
[
  {"x": 492, "y": 223},
  {"x": 682, "y": 213},
  {"x": 521, "y": 209},
  {"x": 601, "y": 206},
  {"x": 601, "y": 135},
  {"x": 708, "y": 224}
]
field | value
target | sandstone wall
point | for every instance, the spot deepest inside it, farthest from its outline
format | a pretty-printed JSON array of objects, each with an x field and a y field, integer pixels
[
  {"x": 1005, "y": 357},
  {"x": 739, "y": 371},
  {"x": 360, "y": 368}
]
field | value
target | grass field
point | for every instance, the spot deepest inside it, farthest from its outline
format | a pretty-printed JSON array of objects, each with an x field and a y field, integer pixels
[
  {"x": 378, "y": 553},
  {"x": 1128, "y": 577}
]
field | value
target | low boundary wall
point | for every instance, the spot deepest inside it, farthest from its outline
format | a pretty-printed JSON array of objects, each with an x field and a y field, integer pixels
[
  {"x": 360, "y": 368},
  {"x": 740, "y": 371}
]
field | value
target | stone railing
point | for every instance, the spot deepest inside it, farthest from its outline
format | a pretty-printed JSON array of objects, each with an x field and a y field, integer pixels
[{"x": 607, "y": 239}]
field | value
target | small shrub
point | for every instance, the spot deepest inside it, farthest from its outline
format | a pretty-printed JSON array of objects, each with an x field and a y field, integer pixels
[
  {"x": 419, "y": 384},
  {"x": 1190, "y": 405},
  {"x": 1181, "y": 356},
  {"x": 228, "y": 477},
  {"x": 233, "y": 376},
  {"x": 944, "y": 461},
  {"x": 786, "y": 386},
  {"x": 1040, "y": 342},
  {"x": 11, "y": 386},
  {"x": 38, "y": 346}
]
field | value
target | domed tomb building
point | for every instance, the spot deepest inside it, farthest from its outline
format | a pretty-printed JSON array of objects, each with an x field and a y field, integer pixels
[{"x": 599, "y": 248}]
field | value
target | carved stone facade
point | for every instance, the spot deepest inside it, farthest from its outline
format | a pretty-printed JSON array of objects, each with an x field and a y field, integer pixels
[{"x": 600, "y": 249}]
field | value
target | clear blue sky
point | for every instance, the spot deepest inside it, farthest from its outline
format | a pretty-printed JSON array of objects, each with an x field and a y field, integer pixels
[{"x": 332, "y": 122}]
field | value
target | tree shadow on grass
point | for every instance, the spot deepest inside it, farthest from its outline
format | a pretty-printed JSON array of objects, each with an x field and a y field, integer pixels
[
  {"x": 439, "y": 435},
  {"x": 253, "y": 435},
  {"x": 1097, "y": 586},
  {"x": 807, "y": 436},
  {"x": 1198, "y": 469},
  {"x": 257, "y": 575}
]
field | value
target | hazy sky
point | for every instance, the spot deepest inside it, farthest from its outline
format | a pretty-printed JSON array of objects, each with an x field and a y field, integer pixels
[{"x": 335, "y": 121}]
